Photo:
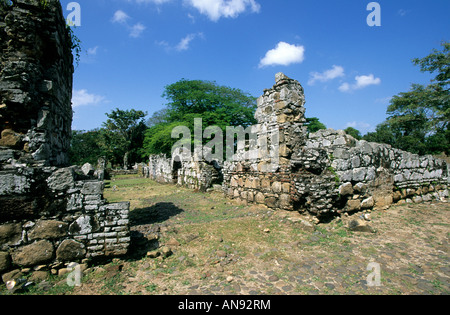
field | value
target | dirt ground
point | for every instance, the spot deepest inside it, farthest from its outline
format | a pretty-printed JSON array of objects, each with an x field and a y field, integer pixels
[{"x": 192, "y": 243}]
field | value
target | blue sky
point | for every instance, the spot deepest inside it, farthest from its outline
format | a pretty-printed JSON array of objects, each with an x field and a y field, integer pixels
[{"x": 132, "y": 49}]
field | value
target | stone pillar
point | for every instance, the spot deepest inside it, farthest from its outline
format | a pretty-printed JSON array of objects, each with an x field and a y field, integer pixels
[
  {"x": 49, "y": 214},
  {"x": 35, "y": 82},
  {"x": 266, "y": 178}
]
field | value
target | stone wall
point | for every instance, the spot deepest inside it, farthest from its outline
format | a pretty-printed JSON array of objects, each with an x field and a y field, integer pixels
[
  {"x": 327, "y": 172},
  {"x": 50, "y": 214},
  {"x": 371, "y": 175},
  {"x": 35, "y": 82},
  {"x": 323, "y": 173},
  {"x": 193, "y": 174},
  {"x": 54, "y": 215}
]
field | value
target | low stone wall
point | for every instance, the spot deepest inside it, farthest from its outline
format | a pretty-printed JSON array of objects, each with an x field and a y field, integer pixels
[
  {"x": 191, "y": 174},
  {"x": 371, "y": 175},
  {"x": 51, "y": 215}
]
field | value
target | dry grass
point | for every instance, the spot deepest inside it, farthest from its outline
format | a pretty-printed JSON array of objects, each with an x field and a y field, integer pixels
[{"x": 222, "y": 247}]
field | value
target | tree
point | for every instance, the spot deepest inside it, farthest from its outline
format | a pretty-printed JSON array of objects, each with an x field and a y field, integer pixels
[
  {"x": 314, "y": 125},
  {"x": 419, "y": 119},
  {"x": 85, "y": 147},
  {"x": 233, "y": 106},
  {"x": 189, "y": 99},
  {"x": 123, "y": 136},
  {"x": 355, "y": 133},
  {"x": 158, "y": 138}
]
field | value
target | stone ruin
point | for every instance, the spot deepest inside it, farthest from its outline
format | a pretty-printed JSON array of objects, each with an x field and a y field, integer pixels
[
  {"x": 323, "y": 174},
  {"x": 50, "y": 213}
]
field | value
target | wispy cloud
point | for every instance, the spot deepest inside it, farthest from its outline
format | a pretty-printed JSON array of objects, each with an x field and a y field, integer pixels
[
  {"x": 84, "y": 98},
  {"x": 362, "y": 126},
  {"x": 92, "y": 51},
  {"x": 120, "y": 17},
  {"x": 360, "y": 83},
  {"x": 183, "y": 44},
  {"x": 333, "y": 73},
  {"x": 402, "y": 12},
  {"x": 217, "y": 9},
  {"x": 135, "y": 30},
  {"x": 283, "y": 54}
]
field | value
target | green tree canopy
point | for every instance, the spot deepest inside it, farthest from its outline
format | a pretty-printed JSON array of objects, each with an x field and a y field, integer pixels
[
  {"x": 189, "y": 99},
  {"x": 232, "y": 106},
  {"x": 418, "y": 120},
  {"x": 85, "y": 147},
  {"x": 123, "y": 134},
  {"x": 313, "y": 124},
  {"x": 355, "y": 133}
]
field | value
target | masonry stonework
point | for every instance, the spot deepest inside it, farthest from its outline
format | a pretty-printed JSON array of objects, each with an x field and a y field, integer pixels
[
  {"x": 329, "y": 172},
  {"x": 323, "y": 173},
  {"x": 50, "y": 213}
]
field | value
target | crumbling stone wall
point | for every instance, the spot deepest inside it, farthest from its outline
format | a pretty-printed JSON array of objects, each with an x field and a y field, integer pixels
[
  {"x": 54, "y": 215},
  {"x": 376, "y": 175},
  {"x": 35, "y": 82},
  {"x": 323, "y": 173},
  {"x": 190, "y": 173},
  {"x": 327, "y": 172},
  {"x": 265, "y": 178},
  {"x": 50, "y": 214}
]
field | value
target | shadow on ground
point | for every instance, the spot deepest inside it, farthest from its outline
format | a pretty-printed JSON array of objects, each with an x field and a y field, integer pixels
[
  {"x": 145, "y": 224},
  {"x": 155, "y": 214}
]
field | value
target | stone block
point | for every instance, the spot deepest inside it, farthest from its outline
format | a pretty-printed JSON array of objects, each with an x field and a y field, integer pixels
[
  {"x": 84, "y": 225},
  {"x": 11, "y": 139},
  {"x": 367, "y": 203},
  {"x": 359, "y": 174},
  {"x": 48, "y": 229},
  {"x": 88, "y": 169},
  {"x": 276, "y": 187},
  {"x": 62, "y": 179},
  {"x": 286, "y": 187},
  {"x": 271, "y": 202},
  {"x": 10, "y": 234},
  {"x": 70, "y": 250},
  {"x": 14, "y": 184},
  {"x": 92, "y": 188},
  {"x": 353, "y": 205},
  {"x": 37, "y": 253},
  {"x": 346, "y": 189},
  {"x": 260, "y": 198},
  {"x": 5, "y": 261},
  {"x": 285, "y": 201}
]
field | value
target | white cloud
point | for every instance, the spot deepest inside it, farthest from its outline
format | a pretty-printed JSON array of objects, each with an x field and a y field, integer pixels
[
  {"x": 120, "y": 17},
  {"x": 184, "y": 43},
  {"x": 92, "y": 51},
  {"x": 358, "y": 124},
  {"x": 333, "y": 73},
  {"x": 361, "y": 82},
  {"x": 136, "y": 30},
  {"x": 284, "y": 54},
  {"x": 402, "y": 12},
  {"x": 152, "y": 1},
  {"x": 362, "y": 126},
  {"x": 83, "y": 98},
  {"x": 216, "y": 9}
]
